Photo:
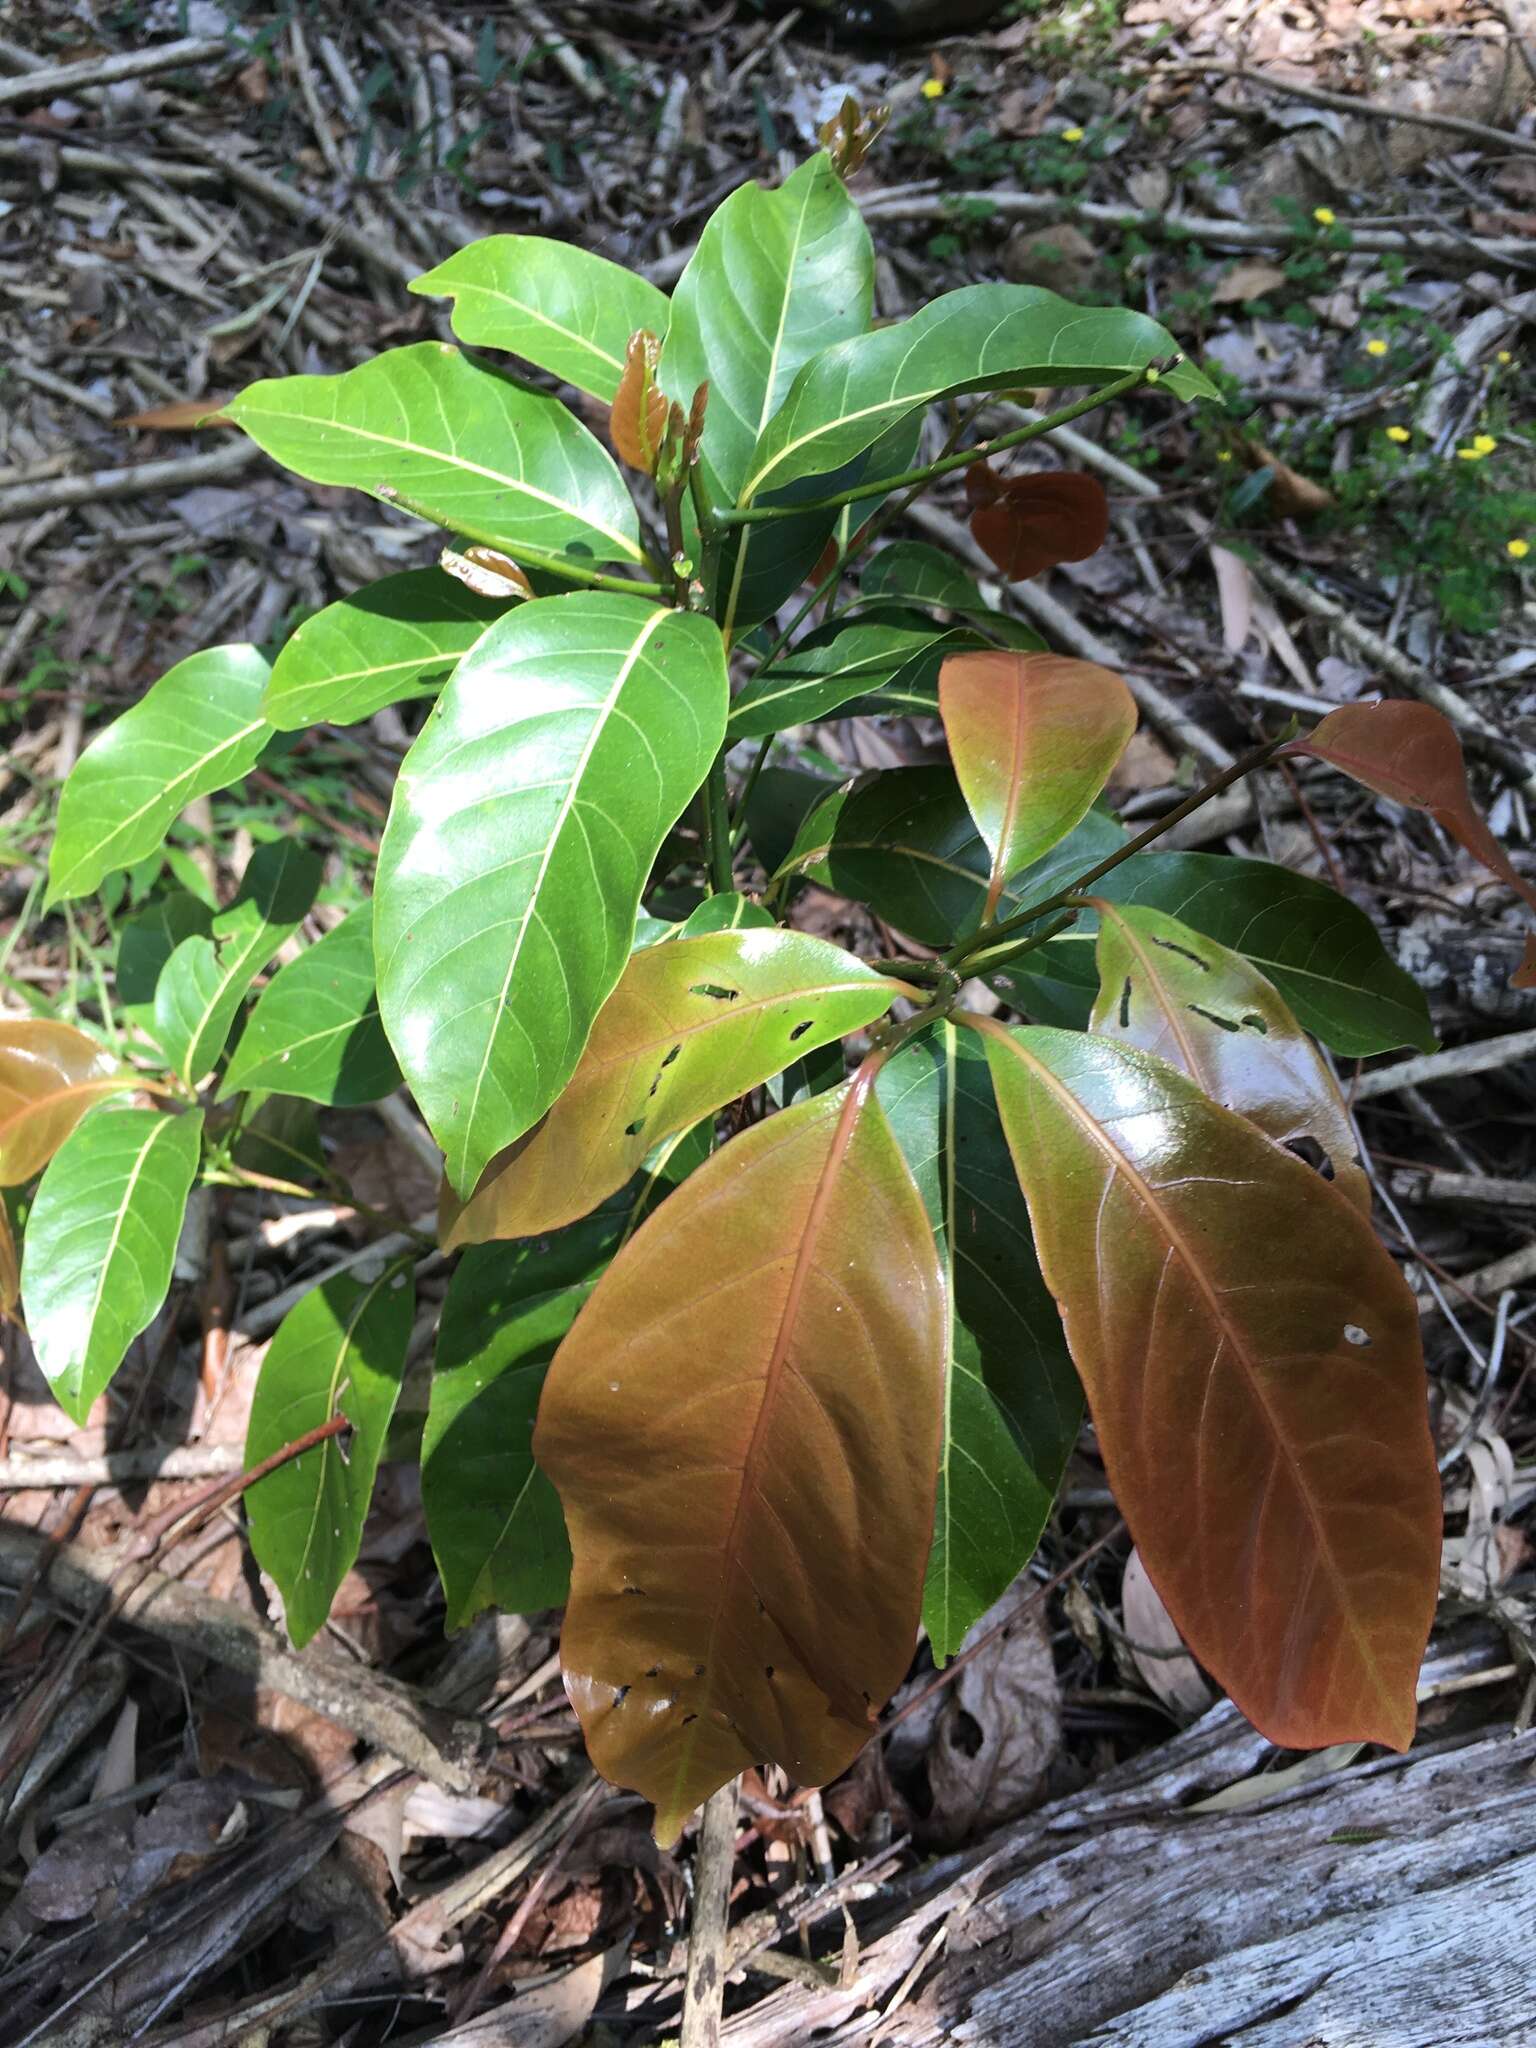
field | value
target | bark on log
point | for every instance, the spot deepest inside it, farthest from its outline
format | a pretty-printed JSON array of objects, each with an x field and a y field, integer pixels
[{"x": 1391, "y": 1904}]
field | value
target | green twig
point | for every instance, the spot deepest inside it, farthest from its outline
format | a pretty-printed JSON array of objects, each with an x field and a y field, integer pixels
[
  {"x": 924, "y": 473},
  {"x": 967, "y": 952}
]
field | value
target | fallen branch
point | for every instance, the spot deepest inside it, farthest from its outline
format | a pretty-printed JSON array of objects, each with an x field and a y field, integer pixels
[
  {"x": 91, "y": 71},
  {"x": 22, "y": 1474},
  {"x": 442, "y": 1746},
  {"x": 1478, "y": 1058},
  {"x": 936, "y": 203},
  {"x": 129, "y": 482},
  {"x": 1504, "y": 140}
]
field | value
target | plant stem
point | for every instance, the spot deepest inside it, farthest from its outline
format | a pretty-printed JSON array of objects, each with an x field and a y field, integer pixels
[
  {"x": 717, "y": 828},
  {"x": 232, "y": 1176},
  {"x": 748, "y": 784},
  {"x": 968, "y": 951},
  {"x": 925, "y": 473},
  {"x": 535, "y": 558}
]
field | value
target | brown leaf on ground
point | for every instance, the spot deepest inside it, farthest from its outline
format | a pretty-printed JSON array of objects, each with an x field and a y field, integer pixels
[
  {"x": 1246, "y": 281},
  {"x": 1156, "y": 1647},
  {"x": 997, "y": 1731},
  {"x": 1291, "y": 495}
]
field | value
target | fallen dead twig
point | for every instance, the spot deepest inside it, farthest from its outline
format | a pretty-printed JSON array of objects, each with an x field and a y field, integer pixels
[
  {"x": 53, "y": 79},
  {"x": 1503, "y": 139},
  {"x": 129, "y": 482},
  {"x": 704, "y": 1985},
  {"x": 441, "y": 1746},
  {"x": 22, "y": 1474},
  {"x": 1480, "y": 1057}
]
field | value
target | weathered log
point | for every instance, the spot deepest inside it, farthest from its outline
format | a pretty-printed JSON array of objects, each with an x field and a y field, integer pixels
[{"x": 1392, "y": 1903}]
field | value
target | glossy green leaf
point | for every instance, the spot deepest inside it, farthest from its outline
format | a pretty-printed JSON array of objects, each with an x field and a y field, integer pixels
[
  {"x": 1033, "y": 738},
  {"x": 778, "y": 806},
  {"x": 1209, "y": 1012},
  {"x": 982, "y": 337},
  {"x": 101, "y": 1237},
  {"x": 778, "y": 275},
  {"x": 339, "y": 1350},
  {"x": 1013, "y": 1402},
  {"x": 523, "y": 829},
  {"x": 838, "y": 663},
  {"x": 425, "y": 428},
  {"x": 743, "y": 1429},
  {"x": 905, "y": 843},
  {"x": 196, "y": 730},
  {"x": 494, "y": 1519},
  {"x": 693, "y": 1023},
  {"x": 315, "y": 1030},
  {"x": 915, "y": 572},
  {"x": 552, "y": 303},
  {"x": 393, "y": 639},
  {"x": 203, "y": 984},
  {"x": 1321, "y": 952},
  {"x": 146, "y": 942},
  {"x": 50, "y": 1075},
  {"x": 1253, "y": 1363},
  {"x": 728, "y": 911}
]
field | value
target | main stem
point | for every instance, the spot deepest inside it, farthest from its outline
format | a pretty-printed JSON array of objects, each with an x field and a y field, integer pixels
[
  {"x": 924, "y": 473},
  {"x": 970, "y": 954}
]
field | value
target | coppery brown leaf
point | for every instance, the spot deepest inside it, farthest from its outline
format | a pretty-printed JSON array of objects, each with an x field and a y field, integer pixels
[
  {"x": 743, "y": 1426},
  {"x": 50, "y": 1075},
  {"x": 1252, "y": 1360},
  {"x": 1027, "y": 524},
  {"x": 638, "y": 421},
  {"x": 1214, "y": 1016},
  {"x": 1410, "y": 753}
]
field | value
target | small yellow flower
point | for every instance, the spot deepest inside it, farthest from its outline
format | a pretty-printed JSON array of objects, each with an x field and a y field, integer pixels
[
  {"x": 1223, "y": 454},
  {"x": 1469, "y": 454},
  {"x": 1504, "y": 356},
  {"x": 1376, "y": 348},
  {"x": 1484, "y": 443},
  {"x": 1071, "y": 134},
  {"x": 1324, "y": 216},
  {"x": 1399, "y": 435},
  {"x": 933, "y": 88},
  {"x": 1518, "y": 548}
]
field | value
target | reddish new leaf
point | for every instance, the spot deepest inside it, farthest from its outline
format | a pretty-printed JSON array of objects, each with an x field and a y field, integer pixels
[
  {"x": 1027, "y": 524},
  {"x": 692, "y": 1024},
  {"x": 1214, "y": 1016},
  {"x": 1252, "y": 1361},
  {"x": 743, "y": 1426},
  {"x": 1034, "y": 738},
  {"x": 638, "y": 421},
  {"x": 50, "y": 1075},
  {"x": 1410, "y": 753}
]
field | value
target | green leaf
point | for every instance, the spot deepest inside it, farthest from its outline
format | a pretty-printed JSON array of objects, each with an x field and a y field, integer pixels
[
  {"x": 394, "y": 639},
  {"x": 424, "y": 428},
  {"x": 523, "y": 829},
  {"x": 205, "y": 980},
  {"x": 777, "y": 277},
  {"x": 340, "y": 1350},
  {"x": 693, "y": 1024},
  {"x": 729, "y": 911},
  {"x": 777, "y": 808},
  {"x": 551, "y": 303},
  {"x": 982, "y": 337},
  {"x": 196, "y": 730},
  {"x": 1321, "y": 952},
  {"x": 315, "y": 1030},
  {"x": 1013, "y": 1404},
  {"x": 831, "y": 667},
  {"x": 96, "y": 1263},
  {"x": 914, "y": 572},
  {"x": 497, "y": 1531},
  {"x": 147, "y": 941},
  {"x": 905, "y": 844}
]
